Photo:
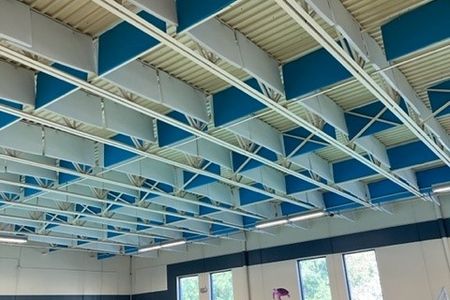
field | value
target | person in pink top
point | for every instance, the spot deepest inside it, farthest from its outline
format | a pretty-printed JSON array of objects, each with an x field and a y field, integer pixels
[{"x": 280, "y": 293}]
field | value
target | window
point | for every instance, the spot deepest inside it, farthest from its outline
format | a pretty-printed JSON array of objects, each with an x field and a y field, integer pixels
[
  {"x": 314, "y": 281},
  {"x": 363, "y": 279},
  {"x": 188, "y": 288},
  {"x": 222, "y": 286}
]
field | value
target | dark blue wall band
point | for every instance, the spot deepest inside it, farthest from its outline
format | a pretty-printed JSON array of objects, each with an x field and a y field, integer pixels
[{"x": 402, "y": 234}]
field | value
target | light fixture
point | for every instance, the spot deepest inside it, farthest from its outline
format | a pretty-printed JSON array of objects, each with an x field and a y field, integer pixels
[
  {"x": 271, "y": 223},
  {"x": 441, "y": 189},
  {"x": 173, "y": 244},
  {"x": 160, "y": 246},
  {"x": 307, "y": 216},
  {"x": 13, "y": 239}
]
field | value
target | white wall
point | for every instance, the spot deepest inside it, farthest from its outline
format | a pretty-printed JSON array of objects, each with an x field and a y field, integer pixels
[
  {"x": 414, "y": 271},
  {"x": 409, "y": 271},
  {"x": 26, "y": 271}
]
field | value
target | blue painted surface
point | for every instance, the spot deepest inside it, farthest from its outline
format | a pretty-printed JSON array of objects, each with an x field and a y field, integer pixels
[
  {"x": 410, "y": 154},
  {"x": 403, "y": 234},
  {"x": 171, "y": 219},
  {"x": 5, "y": 118},
  {"x": 114, "y": 155},
  {"x": 290, "y": 209},
  {"x": 124, "y": 42},
  {"x": 207, "y": 210},
  {"x": 222, "y": 229},
  {"x": 65, "y": 178},
  {"x": 335, "y": 202},
  {"x": 407, "y": 33},
  {"x": 296, "y": 185},
  {"x": 193, "y": 237},
  {"x": 191, "y": 12},
  {"x": 49, "y": 88},
  {"x": 403, "y": 156},
  {"x": 200, "y": 179},
  {"x": 54, "y": 218},
  {"x": 312, "y": 72},
  {"x": 243, "y": 163},
  {"x": 92, "y": 209},
  {"x": 169, "y": 135},
  {"x": 429, "y": 177},
  {"x": 385, "y": 190},
  {"x": 356, "y": 123},
  {"x": 350, "y": 169},
  {"x": 439, "y": 99},
  {"x": 232, "y": 104},
  {"x": 29, "y": 191},
  {"x": 248, "y": 197},
  {"x": 295, "y": 137}
]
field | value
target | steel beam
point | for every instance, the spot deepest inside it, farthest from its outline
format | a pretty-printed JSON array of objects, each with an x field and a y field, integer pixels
[
  {"x": 160, "y": 87},
  {"x": 328, "y": 110},
  {"x": 163, "y": 9},
  {"x": 260, "y": 133},
  {"x": 335, "y": 14},
  {"x": 149, "y": 112},
  {"x": 41, "y": 140},
  {"x": 148, "y": 28},
  {"x": 238, "y": 50},
  {"x": 7, "y": 166},
  {"x": 103, "y": 113},
  {"x": 40, "y": 35},
  {"x": 106, "y": 201},
  {"x": 116, "y": 181},
  {"x": 315, "y": 164},
  {"x": 374, "y": 147},
  {"x": 16, "y": 84},
  {"x": 205, "y": 149}
]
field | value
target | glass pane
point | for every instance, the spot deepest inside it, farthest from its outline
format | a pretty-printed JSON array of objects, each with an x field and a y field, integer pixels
[
  {"x": 362, "y": 276},
  {"x": 188, "y": 288},
  {"x": 314, "y": 280},
  {"x": 222, "y": 286}
]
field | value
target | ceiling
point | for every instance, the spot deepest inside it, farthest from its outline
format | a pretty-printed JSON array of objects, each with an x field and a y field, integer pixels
[{"x": 119, "y": 130}]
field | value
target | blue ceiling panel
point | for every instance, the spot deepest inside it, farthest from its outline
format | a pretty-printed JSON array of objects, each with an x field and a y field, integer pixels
[{"x": 407, "y": 33}]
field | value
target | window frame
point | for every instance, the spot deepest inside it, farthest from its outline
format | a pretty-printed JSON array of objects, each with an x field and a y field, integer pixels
[
  {"x": 347, "y": 282},
  {"x": 299, "y": 271},
  {"x": 210, "y": 274},
  {"x": 179, "y": 278}
]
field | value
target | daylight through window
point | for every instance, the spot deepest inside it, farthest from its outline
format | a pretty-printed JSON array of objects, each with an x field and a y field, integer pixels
[
  {"x": 222, "y": 286},
  {"x": 188, "y": 288},
  {"x": 314, "y": 281},
  {"x": 362, "y": 276}
]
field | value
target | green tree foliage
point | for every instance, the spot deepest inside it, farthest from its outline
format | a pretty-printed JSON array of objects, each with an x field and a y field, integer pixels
[
  {"x": 189, "y": 288},
  {"x": 222, "y": 286},
  {"x": 362, "y": 276},
  {"x": 314, "y": 279}
]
